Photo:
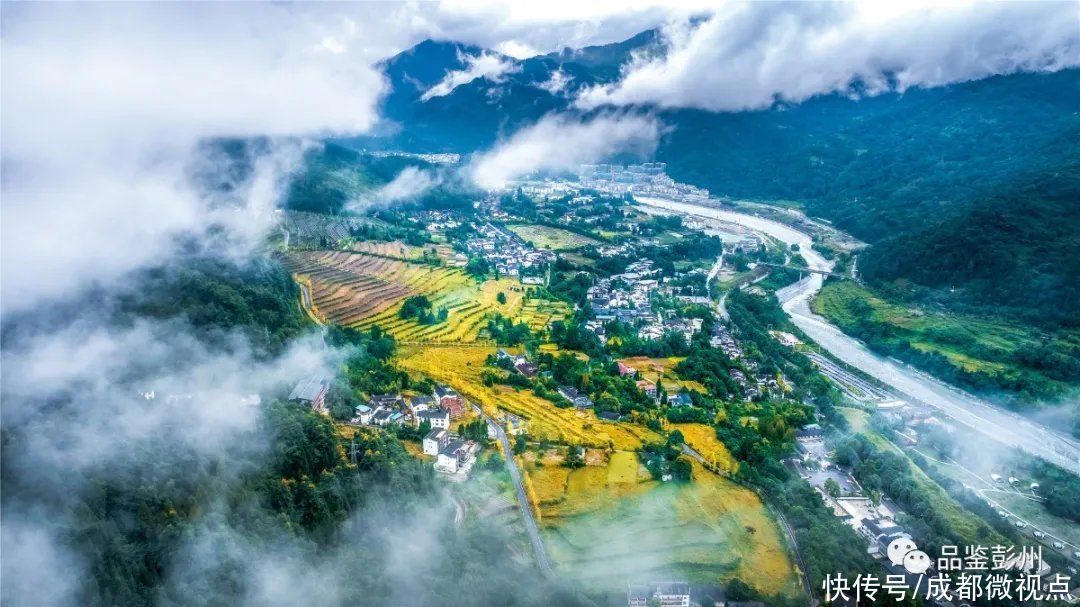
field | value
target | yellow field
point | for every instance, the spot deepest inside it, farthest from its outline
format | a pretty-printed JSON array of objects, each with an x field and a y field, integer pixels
[
  {"x": 610, "y": 526},
  {"x": 663, "y": 369},
  {"x": 360, "y": 290},
  {"x": 401, "y": 250},
  {"x": 461, "y": 368},
  {"x": 555, "y": 239},
  {"x": 622, "y": 468},
  {"x": 702, "y": 438}
]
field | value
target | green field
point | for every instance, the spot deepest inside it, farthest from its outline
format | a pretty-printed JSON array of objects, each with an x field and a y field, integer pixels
[
  {"x": 984, "y": 353},
  {"x": 555, "y": 239},
  {"x": 612, "y": 524}
]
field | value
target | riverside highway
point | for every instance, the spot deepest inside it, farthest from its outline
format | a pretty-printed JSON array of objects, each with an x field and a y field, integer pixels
[{"x": 1004, "y": 426}]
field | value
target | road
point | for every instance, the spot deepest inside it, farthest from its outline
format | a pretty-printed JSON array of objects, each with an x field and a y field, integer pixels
[
  {"x": 531, "y": 528},
  {"x": 992, "y": 487},
  {"x": 1006, "y": 427},
  {"x": 720, "y": 307}
]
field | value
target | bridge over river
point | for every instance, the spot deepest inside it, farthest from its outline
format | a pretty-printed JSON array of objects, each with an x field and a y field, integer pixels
[{"x": 1004, "y": 426}]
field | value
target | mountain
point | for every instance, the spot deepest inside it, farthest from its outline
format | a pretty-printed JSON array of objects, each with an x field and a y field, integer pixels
[
  {"x": 475, "y": 114},
  {"x": 894, "y": 169}
]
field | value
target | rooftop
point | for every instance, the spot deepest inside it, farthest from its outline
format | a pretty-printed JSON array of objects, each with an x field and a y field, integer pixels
[{"x": 308, "y": 389}]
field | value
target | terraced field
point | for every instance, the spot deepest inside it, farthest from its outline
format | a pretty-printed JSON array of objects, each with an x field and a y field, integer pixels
[
  {"x": 359, "y": 289},
  {"x": 609, "y": 525},
  {"x": 401, "y": 250},
  {"x": 461, "y": 368}
]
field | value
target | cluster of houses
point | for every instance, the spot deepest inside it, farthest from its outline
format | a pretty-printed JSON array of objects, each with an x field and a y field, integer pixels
[
  {"x": 722, "y": 338},
  {"x": 647, "y": 386},
  {"x": 627, "y": 298},
  {"x": 663, "y": 594},
  {"x": 877, "y": 522},
  {"x": 648, "y": 179},
  {"x": 443, "y": 158},
  {"x": 507, "y": 252},
  {"x": 438, "y": 222},
  {"x": 519, "y": 362},
  {"x": 453, "y": 455}
]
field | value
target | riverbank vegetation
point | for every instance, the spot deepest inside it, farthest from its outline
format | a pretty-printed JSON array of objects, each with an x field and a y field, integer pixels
[{"x": 1025, "y": 367}]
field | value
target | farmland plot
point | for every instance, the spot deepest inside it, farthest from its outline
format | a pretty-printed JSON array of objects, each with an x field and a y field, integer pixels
[
  {"x": 609, "y": 526},
  {"x": 364, "y": 289}
]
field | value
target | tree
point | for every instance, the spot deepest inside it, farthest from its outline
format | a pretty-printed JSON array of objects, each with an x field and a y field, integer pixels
[
  {"x": 573, "y": 458},
  {"x": 519, "y": 444},
  {"x": 501, "y": 297},
  {"x": 832, "y": 487}
]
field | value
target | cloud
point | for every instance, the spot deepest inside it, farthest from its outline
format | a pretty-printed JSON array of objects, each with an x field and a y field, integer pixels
[
  {"x": 102, "y": 130},
  {"x": 557, "y": 83},
  {"x": 409, "y": 184},
  {"x": 749, "y": 56},
  {"x": 524, "y": 29},
  {"x": 560, "y": 142},
  {"x": 489, "y": 66}
]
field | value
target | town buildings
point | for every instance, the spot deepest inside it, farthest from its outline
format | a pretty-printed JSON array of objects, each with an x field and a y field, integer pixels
[{"x": 662, "y": 594}]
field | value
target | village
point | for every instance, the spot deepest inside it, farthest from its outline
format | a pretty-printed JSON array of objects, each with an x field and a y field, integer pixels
[
  {"x": 507, "y": 254},
  {"x": 453, "y": 455}
]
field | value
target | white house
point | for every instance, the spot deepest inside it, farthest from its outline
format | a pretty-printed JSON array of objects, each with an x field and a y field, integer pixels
[
  {"x": 435, "y": 441},
  {"x": 455, "y": 455},
  {"x": 438, "y": 418},
  {"x": 364, "y": 414},
  {"x": 382, "y": 417}
]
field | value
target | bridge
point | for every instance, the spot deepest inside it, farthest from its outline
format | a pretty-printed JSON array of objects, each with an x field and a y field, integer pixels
[{"x": 802, "y": 269}]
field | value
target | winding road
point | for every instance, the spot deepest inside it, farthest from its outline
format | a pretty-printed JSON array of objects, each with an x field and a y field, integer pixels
[{"x": 1003, "y": 426}]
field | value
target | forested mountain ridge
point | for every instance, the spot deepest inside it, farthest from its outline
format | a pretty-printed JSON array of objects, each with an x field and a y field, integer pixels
[{"x": 997, "y": 156}]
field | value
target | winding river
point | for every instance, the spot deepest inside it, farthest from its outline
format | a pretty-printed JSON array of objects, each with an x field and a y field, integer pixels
[{"x": 1001, "y": 425}]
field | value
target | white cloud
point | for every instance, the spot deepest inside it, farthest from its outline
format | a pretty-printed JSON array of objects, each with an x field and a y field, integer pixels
[
  {"x": 747, "y": 56},
  {"x": 489, "y": 66},
  {"x": 560, "y": 142},
  {"x": 557, "y": 83},
  {"x": 522, "y": 29},
  {"x": 409, "y": 184},
  {"x": 102, "y": 129}
]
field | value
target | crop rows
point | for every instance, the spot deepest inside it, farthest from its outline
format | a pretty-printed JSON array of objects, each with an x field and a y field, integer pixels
[{"x": 362, "y": 290}]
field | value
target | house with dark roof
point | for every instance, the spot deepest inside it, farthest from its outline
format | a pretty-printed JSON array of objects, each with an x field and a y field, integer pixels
[
  {"x": 444, "y": 391},
  {"x": 435, "y": 441},
  {"x": 310, "y": 391},
  {"x": 682, "y": 399},
  {"x": 382, "y": 417},
  {"x": 386, "y": 401},
  {"x": 527, "y": 369},
  {"x": 421, "y": 402},
  {"x": 577, "y": 398},
  {"x": 437, "y": 417}
]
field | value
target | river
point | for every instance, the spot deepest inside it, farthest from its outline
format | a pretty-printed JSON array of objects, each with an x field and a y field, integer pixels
[{"x": 999, "y": 424}]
